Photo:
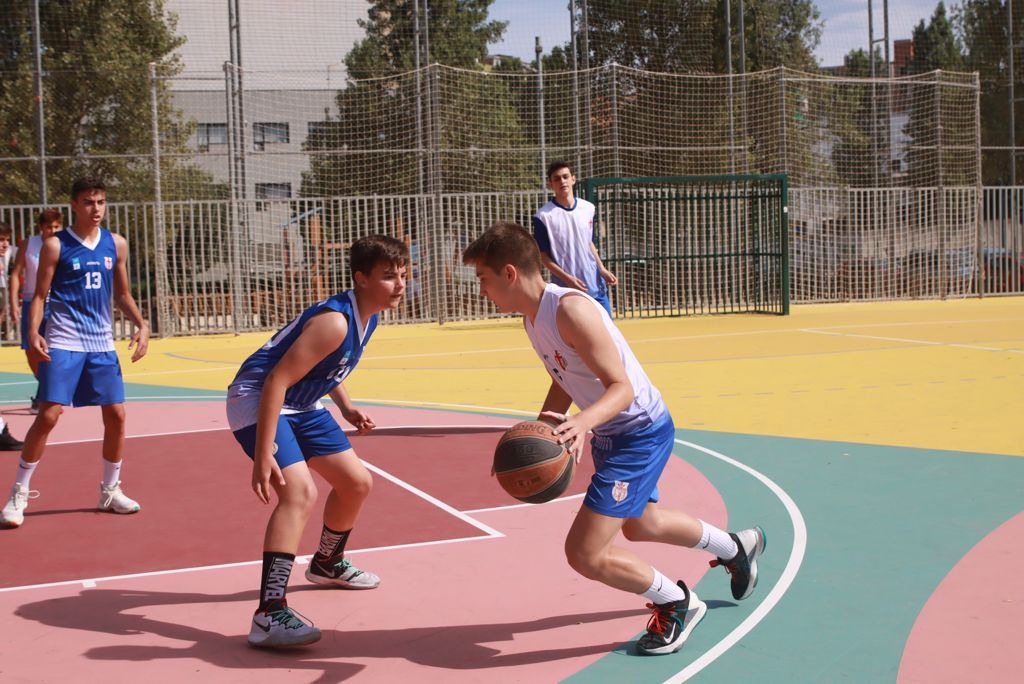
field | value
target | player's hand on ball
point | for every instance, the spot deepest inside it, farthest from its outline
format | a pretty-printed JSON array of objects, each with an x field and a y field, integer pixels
[{"x": 571, "y": 431}]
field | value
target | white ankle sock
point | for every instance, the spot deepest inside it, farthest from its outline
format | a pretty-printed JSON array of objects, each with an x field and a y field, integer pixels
[
  {"x": 663, "y": 590},
  {"x": 25, "y": 471},
  {"x": 111, "y": 473},
  {"x": 716, "y": 542}
]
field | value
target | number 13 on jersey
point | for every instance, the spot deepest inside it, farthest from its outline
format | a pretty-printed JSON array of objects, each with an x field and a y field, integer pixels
[{"x": 93, "y": 280}]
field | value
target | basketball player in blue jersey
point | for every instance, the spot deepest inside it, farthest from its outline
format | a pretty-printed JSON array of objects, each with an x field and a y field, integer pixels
[
  {"x": 591, "y": 364},
  {"x": 564, "y": 231},
  {"x": 23, "y": 284},
  {"x": 83, "y": 270},
  {"x": 275, "y": 413}
]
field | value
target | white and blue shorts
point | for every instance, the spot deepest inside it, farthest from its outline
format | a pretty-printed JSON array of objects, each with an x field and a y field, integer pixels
[{"x": 627, "y": 468}]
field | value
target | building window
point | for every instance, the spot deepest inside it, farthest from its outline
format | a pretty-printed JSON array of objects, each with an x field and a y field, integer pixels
[
  {"x": 272, "y": 191},
  {"x": 211, "y": 134},
  {"x": 263, "y": 133}
]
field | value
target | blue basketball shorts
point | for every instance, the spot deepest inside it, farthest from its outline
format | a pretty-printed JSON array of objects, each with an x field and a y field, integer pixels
[
  {"x": 627, "y": 469},
  {"x": 299, "y": 437},
  {"x": 24, "y": 322},
  {"x": 74, "y": 378},
  {"x": 602, "y": 299}
]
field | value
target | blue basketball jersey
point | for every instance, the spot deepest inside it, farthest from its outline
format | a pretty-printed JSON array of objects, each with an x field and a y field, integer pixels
[
  {"x": 325, "y": 375},
  {"x": 81, "y": 294}
]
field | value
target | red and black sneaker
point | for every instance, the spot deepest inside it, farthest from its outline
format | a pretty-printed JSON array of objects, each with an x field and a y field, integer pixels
[
  {"x": 671, "y": 623},
  {"x": 743, "y": 566}
]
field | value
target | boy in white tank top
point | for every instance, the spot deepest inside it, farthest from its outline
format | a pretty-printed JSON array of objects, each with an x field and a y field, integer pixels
[
  {"x": 591, "y": 364},
  {"x": 23, "y": 285}
]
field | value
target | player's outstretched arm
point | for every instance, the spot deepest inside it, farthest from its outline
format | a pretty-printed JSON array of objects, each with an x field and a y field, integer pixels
[
  {"x": 320, "y": 336},
  {"x": 358, "y": 418},
  {"x": 126, "y": 303},
  {"x": 580, "y": 325},
  {"x": 608, "y": 276}
]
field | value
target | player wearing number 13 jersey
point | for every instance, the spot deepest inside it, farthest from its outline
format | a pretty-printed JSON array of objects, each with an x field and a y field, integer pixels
[
  {"x": 275, "y": 413},
  {"x": 83, "y": 271}
]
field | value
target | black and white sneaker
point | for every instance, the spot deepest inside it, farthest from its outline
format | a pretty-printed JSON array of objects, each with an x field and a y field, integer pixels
[
  {"x": 8, "y": 442},
  {"x": 671, "y": 623},
  {"x": 281, "y": 627},
  {"x": 743, "y": 566},
  {"x": 341, "y": 573}
]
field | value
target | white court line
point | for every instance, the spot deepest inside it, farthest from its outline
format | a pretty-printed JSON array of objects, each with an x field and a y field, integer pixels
[
  {"x": 489, "y": 532},
  {"x": 90, "y": 583},
  {"x": 910, "y": 341},
  {"x": 571, "y": 497},
  {"x": 796, "y": 557}
]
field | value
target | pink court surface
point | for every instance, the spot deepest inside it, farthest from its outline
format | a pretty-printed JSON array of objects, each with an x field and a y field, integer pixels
[{"x": 879, "y": 446}]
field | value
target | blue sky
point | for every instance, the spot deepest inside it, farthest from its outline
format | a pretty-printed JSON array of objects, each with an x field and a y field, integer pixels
[{"x": 846, "y": 24}]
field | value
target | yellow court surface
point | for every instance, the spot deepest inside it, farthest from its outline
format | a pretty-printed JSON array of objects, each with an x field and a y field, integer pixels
[{"x": 932, "y": 374}]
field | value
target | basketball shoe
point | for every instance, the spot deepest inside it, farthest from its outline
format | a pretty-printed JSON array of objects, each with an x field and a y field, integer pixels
[
  {"x": 671, "y": 623},
  {"x": 742, "y": 567},
  {"x": 281, "y": 627},
  {"x": 114, "y": 500},
  {"x": 340, "y": 573},
  {"x": 13, "y": 513},
  {"x": 9, "y": 442}
]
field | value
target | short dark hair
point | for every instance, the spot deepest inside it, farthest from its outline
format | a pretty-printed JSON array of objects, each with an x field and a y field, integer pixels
[
  {"x": 5, "y": 231},
  {"x": 504, "y": 243},
  {"x": 558, "y": 165},
  {"x": 367, "y": 252},
  {"x": 87, "y": 184},
  {"x": 49, "y": 215}
]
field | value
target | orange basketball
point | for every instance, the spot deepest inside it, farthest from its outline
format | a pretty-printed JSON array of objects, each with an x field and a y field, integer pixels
[{"x": 530, "y": 464}]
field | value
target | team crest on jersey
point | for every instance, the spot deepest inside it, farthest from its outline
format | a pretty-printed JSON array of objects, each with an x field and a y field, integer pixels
[
  {"x": 75, "y": 264},
  {"x": 108, "y": 262},
  {"x": 620, "y": 491},
  {"x": 560, "y": 359}
]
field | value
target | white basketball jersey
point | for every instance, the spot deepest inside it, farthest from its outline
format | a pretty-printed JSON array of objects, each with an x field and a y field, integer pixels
[
  {"x": 33, "y": 246},
  {"x": 568, "y": 370}
]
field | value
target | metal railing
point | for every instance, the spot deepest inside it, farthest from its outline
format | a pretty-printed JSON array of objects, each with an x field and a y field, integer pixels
[{"x": 845, "y": 245}]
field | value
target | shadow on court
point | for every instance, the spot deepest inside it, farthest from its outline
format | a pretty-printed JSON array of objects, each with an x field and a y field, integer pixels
[{"x": 111, "y": 611}]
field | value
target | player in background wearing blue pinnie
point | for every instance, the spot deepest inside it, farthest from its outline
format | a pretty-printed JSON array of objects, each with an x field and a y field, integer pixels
[
  {"x": 275, "y": 413},
  {"x": 564, "y": 231},
  {"x": 83, "y": 270},
  {"x": 591, "y": 364}
]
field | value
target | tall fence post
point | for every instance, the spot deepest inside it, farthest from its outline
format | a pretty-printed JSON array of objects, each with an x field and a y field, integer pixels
[
  {"x": 980, "y": 280},
  {"x": 436, "y": 185},
  {"x": 37, "y": 40},
  {"x": 163, "y": 318},
  {"x": 540, "y": 111}
]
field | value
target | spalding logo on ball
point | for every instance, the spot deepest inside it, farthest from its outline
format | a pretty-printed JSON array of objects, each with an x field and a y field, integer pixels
[{"x": 530, "y": 464}]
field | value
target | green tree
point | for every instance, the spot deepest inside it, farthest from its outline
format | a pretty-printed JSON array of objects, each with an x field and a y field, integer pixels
[
  {"x": 689, "y": 35},
  {"x": 933, "y": 136},
  {"x": 983, "y": 27},
  {"x": 856, "y": 120},
  {"x": 96, "y": 87},
  {"x": 390, "y": 118}
]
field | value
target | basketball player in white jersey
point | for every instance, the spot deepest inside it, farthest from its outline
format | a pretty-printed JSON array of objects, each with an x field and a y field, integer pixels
[
  {"x": 591, "y": 364},
  {"x": 83, "y": 270},
  {"x": 23, "y": 278},
  {"x": 564, "y": 231}
]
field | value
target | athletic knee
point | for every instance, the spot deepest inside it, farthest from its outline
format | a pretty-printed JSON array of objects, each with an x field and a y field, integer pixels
[
  {"x": 300, "y": 497},
  {"x": 639, "y": 529},
  {"x": 114, "y": 416},
  {"x": 585, "y": 563}
]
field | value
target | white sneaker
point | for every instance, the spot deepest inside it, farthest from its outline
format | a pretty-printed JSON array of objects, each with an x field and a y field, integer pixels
[
  {"x": 14, "y": 512},
  {"x": 281, "y": 628},
  {"x": 114, "y": 500},
  {"x": 341, "y": 574}
]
